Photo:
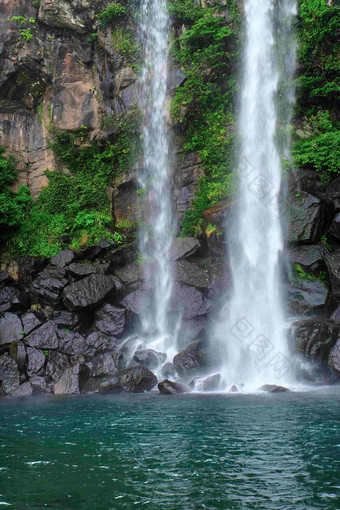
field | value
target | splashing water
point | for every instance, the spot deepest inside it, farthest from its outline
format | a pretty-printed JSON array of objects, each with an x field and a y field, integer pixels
[
  {"x": 156, "y": 234},
  {"x": 251, "y": 337}
]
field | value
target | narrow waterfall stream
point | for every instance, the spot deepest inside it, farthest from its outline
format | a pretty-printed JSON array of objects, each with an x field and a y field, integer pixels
[
  {"x": 252, "y": 338},
  {"x": 157, "y": 230}
]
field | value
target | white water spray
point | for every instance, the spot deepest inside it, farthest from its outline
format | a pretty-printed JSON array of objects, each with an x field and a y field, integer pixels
[
  {"x": 252, "y": 338},
  {"x": 156, "y": 234}
]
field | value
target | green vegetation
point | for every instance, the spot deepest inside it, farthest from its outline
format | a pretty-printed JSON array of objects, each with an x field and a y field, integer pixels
[
  {"x": 317, "y": 142},
  {"x": 25, "y": 33},
  {"x": 93, "y": 37},
  {"x": 113, "y": 13},
  {"x": 74, "y": 209},
  {"x": 123, "y": 41},
  {"x": 207, "y": 52}
]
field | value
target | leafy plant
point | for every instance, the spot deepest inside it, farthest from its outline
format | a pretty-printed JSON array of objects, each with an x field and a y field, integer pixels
[{"x": 110, "y": 14}]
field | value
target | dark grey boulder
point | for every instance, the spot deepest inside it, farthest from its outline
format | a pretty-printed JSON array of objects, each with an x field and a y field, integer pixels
[
  {"x": 176, "y": 78},
  {"x": 57, "y": 363},
  {"x": 334, "y": 357},
  {"x": 149, "y": 358},
  {"x": 333, "y": 193},
  {"x": 183, "y": 247},
  {"x": 45, "y": 337},
  {"x": 335, "y": 226},
  {"x": 71, "y": 342},
  {"x": 189, "y": 301},
  {"x": 38, "y": 384},
  {"x": 306, "y": 295},
  {"x": 308, "y": 217},
  {"x": 121, "y": 256},
  {"x": 21, "y": 357},
  {"x": 98, "y": 342},
  {"x": 65, "y": 319},
  {"x": 11, "y": 328},
  {"x": 136, "y": 301},
  {"x": 47, "y": 286},
  {"x": 5, "y": 278},
  {"x": 79, "y": 270},
  {"x": 9, "y": 375},
  {"x": 110, "y": 320},
  {"x": 10, "y": 299},
  {"x": 273, "y": 388},
  {"x": 189, "y": 358},
  {"x": 307, "y": 256},
  {"x": 36, "y": 361},
  {"x": 168, "y": 370},
  {"x": 93, "y": 251},
  {"x": 172, "y": 387},
  {"x": 25, "y": 390},
  {"x": 132, "y": 380},
  {"x": 336, "y": 315},
  {"x": 68, "y": 384},
  {"x": 333, "y": 265},
  {"x": 191, "y": 273},
  {"x": 211, "y": 383},
  {"x": 129, "y": 274},
  {"x": 62, "y": 259},
  {"x": 88, "y": 292},
  {"x": 105, "y": 364},
  {"x": 30, "y": 322}
]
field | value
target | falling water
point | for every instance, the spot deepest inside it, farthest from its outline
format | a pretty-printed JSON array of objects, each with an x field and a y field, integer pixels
[
  {"x": 155, "y": 235},
  {"x": 253, "y": 335}
]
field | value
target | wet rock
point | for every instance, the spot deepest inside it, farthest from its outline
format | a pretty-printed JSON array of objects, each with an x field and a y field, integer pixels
[
  {"x": 191, "y": 330},
  {"x": 57, "y": 363},
  {"x": 81, "y": 270},
  {"x": 176, "y": 78},
  {"x": 98, "y": 341},
  {"x": 65, "y": 319},
  {"x": 149, "y": 358},
  {"x": 211, "y": 383},
  {"x": 334, "y": 357},
  {"x": 121, "y": 256},
  {"x": 233, "y": 389},
  {"x": 133, "y": 380},
  {"x": 30, "y": 322},
  {"x": 333, "y": 193},
  {"x": 273, "y": 388},
  {"x": 183, "y": 247},
  {"x": 191, "y": 273},
  {"x": 36, "y": 361},
  {"x": 93, "y": 251},
  {"x": 135, "y": 301},
  {"x": 47, "y": 286},
  {"x": 9, "y": 375},
  {"x": 110, "y": 320},
  {"x": 333, "y": 265},
  {"x": 11, "y": 328},
  {"x": 45, "y": 337},
  {"x": 306, "y": 295},
  {"x": 308, "y": 217},
  {"x": 105, "y": 364},
  {"x": 29, "y": 267},
  {"x": 172, "y": 387},
  {"x": 189, "y": 301},
  {"x": 307, "y": 256},
  {"x": 168, "y": 370},
  {"x": 315, "y": 337},
  {"x": 71, "y": 342},
  {"x": 62, "y": 259},
  {"x": 336, "y": 315},
  {"x": 129, "y": 274},
  {"x": 189, "y": 358},
  {"x": 21, "y": 357},
  {"x": 38, "y": 384},
  {"x": 88, "y": 292},
  {"x": 5, "y": 278},
  {"x": 335, "y": 226},
  {"x": 10, "y": 299},
  {"x": 25, "y": 390},
  {"x": 68, "y": 384}
]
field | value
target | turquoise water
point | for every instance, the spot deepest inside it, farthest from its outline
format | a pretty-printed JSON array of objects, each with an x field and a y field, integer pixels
[{"x": 172, "y": 452}]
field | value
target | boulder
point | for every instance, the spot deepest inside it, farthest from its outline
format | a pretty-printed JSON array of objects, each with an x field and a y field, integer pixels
[
  {"x": 71, "y": 342},
  {"x": 5, "y": 278},
  {"x": 38, "y": 384},
  {"x": 315, "y": 337},
  {"x": 30, "y": 322},
  {"x": 149, "y": 358},
  {"x": 189, "y": 358},
  {"x": 191, "y": 273},
  {"x": 336, "y": 315},
  {"x": 45, "y": 337},
  {"x": 333, "y": 265},
  {"x": 21, "y": 357},
  {"x": 172, "y": 387},
  {"x": 88, "y": 293},
  {"x": 9, "y": 375},
  {"x": 10, "y": 299},
  {"x": 183, "y": 247},
  {"x": 62, "y": 259},
  {"x": 129, "y": 274},
  {"x": 79, "y": 270},
  {"x": 105, "y": 364},
  {"x": 110, "y": 320},
  {"x": 211, "y": 383},
  {"x": 57, "y": 363},
  {"x": 133, "y": 380},
  {"x": 47, "y": 286},
  {"x": 308, "y": 257},
  {"x": 65, "y": 319},
  {"x": 11, "y": 328},
  {"x": 334, "y": 357},
  {"x": 136, "y": 301},
  {"x": 36, "y": 361},
  {"x": 306, "y": 295},
  {"x": 335, "y": 226},
  {"x": 308, "y": 217},
  {"x": 68, "y": 384},
  {"x": 189, "y": 301},
  {"x": 273, "y": 388},
  {"x": 333, "y": 193},
  {"x": 98, "y": 342},
  {"x": 93, "y": 251},
  {"x": 168, "y": 370},
  {"x": 121, "y": 256},
  {"x": 25, "y": 390}
]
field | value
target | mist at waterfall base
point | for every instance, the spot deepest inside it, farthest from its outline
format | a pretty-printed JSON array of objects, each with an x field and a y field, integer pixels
[
  {"x": 250, "y": 337},
  {"x": 215, "y": 452}
]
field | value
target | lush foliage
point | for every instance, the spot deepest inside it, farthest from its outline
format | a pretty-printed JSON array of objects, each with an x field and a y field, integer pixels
[
  {"x": 318, "y": 138},
  {"x": 111, "y": 14},
  {"x": 207, "y": 51}
]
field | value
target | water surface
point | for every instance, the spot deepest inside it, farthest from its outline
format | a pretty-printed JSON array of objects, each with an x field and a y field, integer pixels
[{"x": 172, "y": 452}]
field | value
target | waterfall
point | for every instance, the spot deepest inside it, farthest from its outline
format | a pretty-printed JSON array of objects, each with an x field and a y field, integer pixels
[
  {"x": 251, "y": 337},
  {"x": 157, "y": 229}
]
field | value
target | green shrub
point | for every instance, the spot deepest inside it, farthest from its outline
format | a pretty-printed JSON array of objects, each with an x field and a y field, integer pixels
[{"x": 111, "y": 14}]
